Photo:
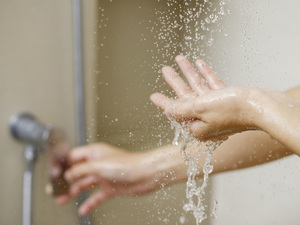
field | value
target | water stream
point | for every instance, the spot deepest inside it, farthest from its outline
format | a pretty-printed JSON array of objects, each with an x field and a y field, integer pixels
[{"x": 198, "y": 156}]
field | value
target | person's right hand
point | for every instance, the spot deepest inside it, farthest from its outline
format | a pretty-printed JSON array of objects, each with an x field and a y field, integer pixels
[
  {"x": 208, "y": 108},
  {"x": 115, "y": 171},
  {"x": 212, "y": 111}
]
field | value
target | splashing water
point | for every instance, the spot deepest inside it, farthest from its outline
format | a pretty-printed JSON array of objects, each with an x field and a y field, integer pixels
[
  {"x": 195, "y": 193},
  {"x": 190, "y": 28},
  {"x": 187, "y": 27}
]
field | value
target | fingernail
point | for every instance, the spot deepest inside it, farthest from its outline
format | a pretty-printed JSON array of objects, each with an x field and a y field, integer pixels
[
  {"x": 179, "y": 58},
  {"x": 165, "y": 70},
  {"x": 153, "y": 97},
  {"x": 200, "y": 63}
]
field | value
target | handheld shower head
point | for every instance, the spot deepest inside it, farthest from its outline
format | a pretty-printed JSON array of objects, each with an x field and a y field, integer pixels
[{"x": 24, "y": 127}]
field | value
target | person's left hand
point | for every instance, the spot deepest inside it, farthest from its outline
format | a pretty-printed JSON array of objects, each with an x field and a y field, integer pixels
[{"x": 114, "y": 170}]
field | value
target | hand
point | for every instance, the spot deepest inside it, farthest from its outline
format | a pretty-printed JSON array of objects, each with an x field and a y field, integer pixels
[
  {"x": 207, "y": 107},
  {"x": 115, "y": 171}
]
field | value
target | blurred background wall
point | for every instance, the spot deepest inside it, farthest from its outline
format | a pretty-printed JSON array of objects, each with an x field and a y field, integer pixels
[
  {"x": 36, "y": 76},
  {"x": 261, "y": 49}
]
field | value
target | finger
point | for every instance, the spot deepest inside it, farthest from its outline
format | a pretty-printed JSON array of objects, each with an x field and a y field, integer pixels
[
  {"x": 161, "y": 101},
  {"x": 212, "y": 79},
  {"x": 79, "y": 154},
  {"x": 94, "y": 200},
  {"x": 84, "y": 153},
  {"x": 196, "y": 82},
  {"x": 62, "y": 199},
  {"x": 175, "y": 82},
  {"x": 81, "y": 170},
  {"x": 83, "y": 184}
]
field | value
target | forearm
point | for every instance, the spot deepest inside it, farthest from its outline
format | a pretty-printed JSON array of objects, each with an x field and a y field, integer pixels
[
  {"x": 280, "y": 117},
  {"x": 250, "y": 148},
  {"x": 247, "y": 149},
  {"x": 281, "y": 137},
  {"x": 285, "y": 131},
  {"x": 166, "y": 165}
]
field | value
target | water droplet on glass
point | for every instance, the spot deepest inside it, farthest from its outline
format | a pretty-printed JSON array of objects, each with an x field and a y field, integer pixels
[{"x": 182, "y": 219}]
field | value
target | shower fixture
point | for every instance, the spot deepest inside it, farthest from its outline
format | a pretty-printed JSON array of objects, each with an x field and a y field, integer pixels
[{"x": 40, "y": 138}]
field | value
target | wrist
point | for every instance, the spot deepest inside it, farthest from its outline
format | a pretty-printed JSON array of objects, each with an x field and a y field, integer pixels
[
  {"x": 253, "y": 113},
  {"x": 163, "y": 166}
]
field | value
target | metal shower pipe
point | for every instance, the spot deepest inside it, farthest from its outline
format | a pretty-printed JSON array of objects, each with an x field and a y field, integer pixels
[{"x": 79, "y": 88}]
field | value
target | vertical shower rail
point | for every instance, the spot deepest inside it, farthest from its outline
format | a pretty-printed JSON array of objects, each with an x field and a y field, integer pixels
[
  {"x": 79, "y": 88},
  {"x": 30, "y": 155}
]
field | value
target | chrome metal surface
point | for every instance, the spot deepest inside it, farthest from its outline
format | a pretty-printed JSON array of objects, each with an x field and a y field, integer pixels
[{"x": 79, "y": 88}]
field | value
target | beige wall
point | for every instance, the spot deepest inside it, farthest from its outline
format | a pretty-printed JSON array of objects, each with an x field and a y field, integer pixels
[
  {"x": 261, "y": 49},
  {"x": 124, "y": 73},
  {"x": 36, "y": 76}
]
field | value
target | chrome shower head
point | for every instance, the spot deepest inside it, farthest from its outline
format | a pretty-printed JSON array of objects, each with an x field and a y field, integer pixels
[{"x": 24, "y": 127}]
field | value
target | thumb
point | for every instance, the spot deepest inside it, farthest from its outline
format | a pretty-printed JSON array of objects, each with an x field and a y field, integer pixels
[{"x": 161, "y": 101}]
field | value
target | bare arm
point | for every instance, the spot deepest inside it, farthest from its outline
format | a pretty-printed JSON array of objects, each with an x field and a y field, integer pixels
[
  {"x": 214, "y": 111},
  {"x": 119, "y": 172},
  {"x": 242, "y": 150},
  {"x": 251, "y": 148},
  {"x": 281, "y": 118}
]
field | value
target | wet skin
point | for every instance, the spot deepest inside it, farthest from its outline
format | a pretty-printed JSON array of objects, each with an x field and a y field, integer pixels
[{"x": 212, "y": 111}]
